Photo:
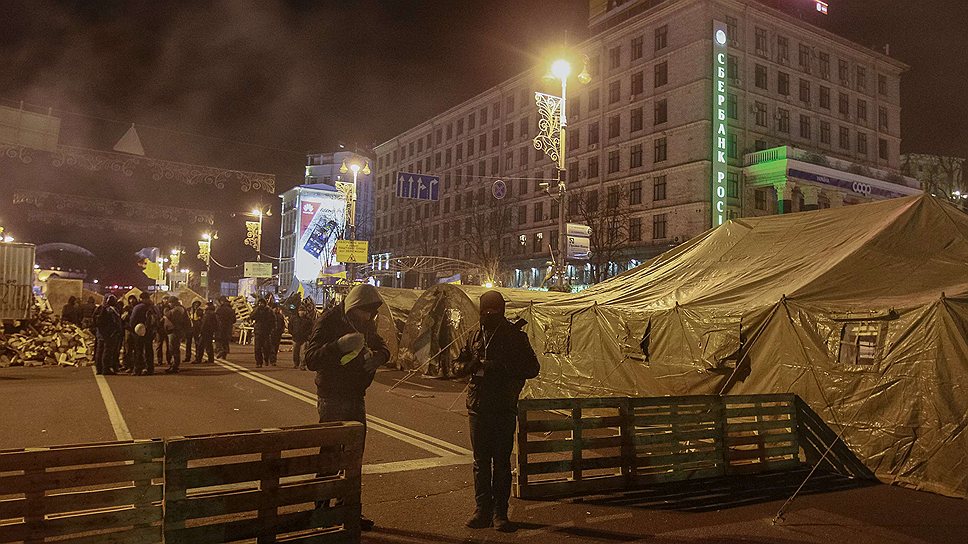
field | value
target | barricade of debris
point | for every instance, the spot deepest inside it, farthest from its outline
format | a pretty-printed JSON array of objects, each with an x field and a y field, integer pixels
[{"x": 46, "y": 340}]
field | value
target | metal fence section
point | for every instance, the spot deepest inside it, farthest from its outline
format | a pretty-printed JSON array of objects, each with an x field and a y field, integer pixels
[{"x": 589, "y": 445}]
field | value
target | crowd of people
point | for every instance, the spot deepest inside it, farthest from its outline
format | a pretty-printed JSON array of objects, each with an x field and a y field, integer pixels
[{"x": 132, "y": 336}]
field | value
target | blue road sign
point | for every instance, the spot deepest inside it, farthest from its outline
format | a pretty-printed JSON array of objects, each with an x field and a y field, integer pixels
[{"x": 418, "y": 186}]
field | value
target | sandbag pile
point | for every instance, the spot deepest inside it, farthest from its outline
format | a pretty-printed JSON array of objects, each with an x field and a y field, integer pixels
[{"x": 47, "y": 341}]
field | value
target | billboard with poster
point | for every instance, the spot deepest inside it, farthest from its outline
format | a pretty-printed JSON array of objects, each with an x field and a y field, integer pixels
[{"x": 322, "y": 217}]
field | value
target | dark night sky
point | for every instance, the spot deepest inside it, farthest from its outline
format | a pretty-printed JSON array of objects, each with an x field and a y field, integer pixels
[{"x": 304, "y": 75}]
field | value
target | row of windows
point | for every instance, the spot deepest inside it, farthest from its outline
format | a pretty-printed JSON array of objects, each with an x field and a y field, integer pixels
[
  {"x": 805, "y": 56},
  {"x": 439, "y": 233},
  {"x": 782, "y": 125}
]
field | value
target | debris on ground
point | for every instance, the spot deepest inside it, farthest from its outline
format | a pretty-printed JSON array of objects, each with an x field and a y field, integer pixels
[{"x": 46, "y": 341}]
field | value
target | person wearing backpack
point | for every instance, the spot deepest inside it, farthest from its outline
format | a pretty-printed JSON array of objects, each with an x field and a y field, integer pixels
[{"x": 177, "y": 326}]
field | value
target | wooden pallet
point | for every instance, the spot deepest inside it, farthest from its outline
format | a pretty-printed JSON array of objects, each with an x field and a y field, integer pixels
[
  {"x": 108, "y": 492},
  {"x": 265, "y": 485},
  {"x": 591, "y": 445}
]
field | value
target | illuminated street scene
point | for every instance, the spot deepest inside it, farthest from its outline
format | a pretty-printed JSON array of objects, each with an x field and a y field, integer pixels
[{"x": 643, "y": 271}]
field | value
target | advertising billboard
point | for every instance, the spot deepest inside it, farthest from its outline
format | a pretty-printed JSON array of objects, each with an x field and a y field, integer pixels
[{"x": 322, "y": 218}]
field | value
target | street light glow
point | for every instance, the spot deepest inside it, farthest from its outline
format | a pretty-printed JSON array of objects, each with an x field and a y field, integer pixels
[
  {"x": 206, "y": 236},
  {"x": 561, "y": 69},
  {"x": 257, "y": 212},
  {"x": 355, "y": 168}
]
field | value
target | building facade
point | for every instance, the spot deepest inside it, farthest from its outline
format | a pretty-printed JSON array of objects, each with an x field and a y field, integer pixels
[
  {"x": 699, "y": 111},
  {"x": 324, "y": 168}
]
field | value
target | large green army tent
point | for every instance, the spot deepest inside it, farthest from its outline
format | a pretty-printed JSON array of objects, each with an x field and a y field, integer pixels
[{"x": 862, "y": 311}]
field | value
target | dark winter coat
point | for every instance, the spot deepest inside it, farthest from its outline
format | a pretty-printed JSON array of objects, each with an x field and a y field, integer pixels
[
  {"x": 498, "y": 364},
  {"x": 71, "y": 313},
  {"x": 208, "y": 324},
  {"x": 333, "y": 379},
  {"x": 226, "y": 318},
  {"x": 280, "y": 325},
  {"x": 300, "y": 328},
  {"x": 108, "y": 323},
  {"x": 263, "y": 320},
  {"x": 145, "y": 313}
]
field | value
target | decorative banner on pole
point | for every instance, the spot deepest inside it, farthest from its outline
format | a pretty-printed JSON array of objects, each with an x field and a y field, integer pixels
[
  {"x": 204, "y": 251},
  {"x": 252, "y": 269},
  {"x": 549, "y": 125},
  {"x": 253, "y": 235}
]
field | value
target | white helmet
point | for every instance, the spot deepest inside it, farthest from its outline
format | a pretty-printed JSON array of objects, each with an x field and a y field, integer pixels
[{"x": 140, "y": 329}]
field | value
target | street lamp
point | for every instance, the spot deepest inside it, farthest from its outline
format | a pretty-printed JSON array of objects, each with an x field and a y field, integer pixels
[
  {"x": 253, "y": 230},
  {"x": 349, "y": 194},
  {"x": 551, "y": 140},
  {"x": 205, "y": 255}
]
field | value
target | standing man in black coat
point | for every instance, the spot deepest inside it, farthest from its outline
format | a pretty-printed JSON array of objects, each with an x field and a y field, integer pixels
[
  {"x": 499, "y": 359},
  {"x": 110, "y": 332},
  {"x": 195, "y": 314},
  {"x": 226, "y": 319},
  {"x": 144, "y": 323},
  {"x": 345, "y": 350},
  {"x": 263, "y": 326},
  {"x": 300, "y": 325},
  {"x": 207, "y": 328}
]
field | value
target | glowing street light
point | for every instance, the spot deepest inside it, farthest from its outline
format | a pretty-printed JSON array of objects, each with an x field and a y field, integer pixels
[
  {"x": 349, "y": 193},
  {"x": 551, "y": 140},
  {"x": 253, "y": 234}
]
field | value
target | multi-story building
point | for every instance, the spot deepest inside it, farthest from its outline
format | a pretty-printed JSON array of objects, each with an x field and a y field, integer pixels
[
  {"x": 324, "y": 168},
  {"x": 698, "y": 111}
]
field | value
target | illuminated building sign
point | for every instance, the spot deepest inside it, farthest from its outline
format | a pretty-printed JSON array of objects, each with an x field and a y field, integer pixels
[
  {"x": 718, "y": 189},
  {"x": 821, "y": 6}
]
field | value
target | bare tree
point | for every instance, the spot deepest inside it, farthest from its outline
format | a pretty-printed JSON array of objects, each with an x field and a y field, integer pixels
[
  {"x": 940, "y": 175},
  {"x": 487, "y": 233},
  {"x": 609, "y": 221}
]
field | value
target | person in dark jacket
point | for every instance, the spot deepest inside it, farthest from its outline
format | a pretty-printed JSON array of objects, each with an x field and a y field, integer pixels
[
  {"x": 263, "y": 326},
  {"x": 127, "y": 362},
  {"x": 499, "y": 358},
  {"x": 144, "y": 324},
  {"x": 195, "y": 315},
  {"x": 71, "y": 312},
  {"x": 277, "y": 332},
  {"x": 110, "y": 331},
  {"x": 206, "y": 335},
  {"x": 181, "y": 327},
  {"x": 87, "y": 313},
  {"x": 300, "y": 325},
  {"x": 226, "y": 320},
  {"x": 344, "y": 350}
]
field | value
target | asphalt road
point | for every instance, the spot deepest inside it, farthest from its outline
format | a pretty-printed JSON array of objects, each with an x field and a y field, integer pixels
[{"x": 417, "y": 475}]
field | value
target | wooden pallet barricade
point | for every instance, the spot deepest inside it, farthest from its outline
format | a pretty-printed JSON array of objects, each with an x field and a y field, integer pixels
[
  {"x": 590, "y": 445},
  {"x": 107, "y": 492},
  {"x": 265, "y": 485}
]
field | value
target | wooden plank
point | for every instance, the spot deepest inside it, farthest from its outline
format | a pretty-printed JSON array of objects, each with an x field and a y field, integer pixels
[
  {"x": 136, "y": 535},
  {"x": 677, "y": 475},
  {"x": 760, "y": 453},
  {"x": 545, "y": 425},
  {"x": 228, "y": 531},
  {"x": 763, "y": 440},
  {"x": 556, "y": 488},
  {"x": 765, "y": 466},
  {"x": 348, "y": 434},
  {"x": 58, "y": 456},
  {"x": 732, "y": 428},
  {"x": 80, "y": 523},
  {"x": 636, "y": 402},
  {"x": 250, "y": 500},
  {"x": 544, "y": 405},
  {"x": 672, "y": 437},
  {"x": 732, "y": 413},
  {"x": 714, "y": 455},
  {"x": 750, "y": 399},
  {"x": 595, "y": 463},
  {"x": 103, "y": 498},
  {"x": 600, "y": 422},
  {"x": 90, "y": 476},
  {"x": 694, "y": 419},
  {"x": 549, "y": 446},
  {"x": 247, "y": 471}
]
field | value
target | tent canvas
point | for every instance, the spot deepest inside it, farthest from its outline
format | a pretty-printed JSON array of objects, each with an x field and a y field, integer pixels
[{"x": 862, "y": 311}]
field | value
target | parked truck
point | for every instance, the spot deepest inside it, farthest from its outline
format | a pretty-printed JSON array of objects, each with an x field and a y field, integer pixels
[{"x": 16, "y": 281}]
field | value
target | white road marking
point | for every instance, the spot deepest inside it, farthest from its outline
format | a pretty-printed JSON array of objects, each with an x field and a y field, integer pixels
[
  {"x": 114, "y": 412},
  {"x": 545, "y": 529},
  {"x": 425, "y": 442},
  {"x": 610, "y": 517}
]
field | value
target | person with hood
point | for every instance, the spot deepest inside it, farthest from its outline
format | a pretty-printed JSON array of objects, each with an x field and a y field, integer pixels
[
  {"x": 300, "y": 325},
  {"x": 195, "y": 315},
  {"x": 87, "y": 313},
  {"x": 226, "y": 319},
  {"x": 263, "y": 325},
  {"x": 344, "y": 350},
  {"x": 71, "y": 312},
  {"x": 144, "y": 324},
  {"x": 206, "y": 334},
  {"x": 498, "y": 358},
  {"x": 127, "y": 362},
  {"x": 277, "y": 332},
  {"x": 109, "y": 330},
  {"x": 180, "y": 328}
]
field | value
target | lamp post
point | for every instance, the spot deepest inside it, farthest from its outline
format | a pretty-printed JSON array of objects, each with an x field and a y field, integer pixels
[
  {"x": 205, "y": 255},
  {"x": 551, "y": 140},
  {"x": 349, "y": 193},
  {"x": 253, "y": 230}
]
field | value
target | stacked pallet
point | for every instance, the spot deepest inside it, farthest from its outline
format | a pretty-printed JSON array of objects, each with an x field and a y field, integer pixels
[{"x": 47, "y": 341}]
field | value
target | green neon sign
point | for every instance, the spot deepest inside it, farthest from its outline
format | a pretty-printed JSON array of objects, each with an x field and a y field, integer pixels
[{"x": 718, "y": 188}]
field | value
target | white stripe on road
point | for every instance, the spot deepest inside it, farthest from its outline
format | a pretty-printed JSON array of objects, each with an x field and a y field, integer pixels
[
  {"x": 114, "y": 413},
  {"x": 425, "y": 442}
]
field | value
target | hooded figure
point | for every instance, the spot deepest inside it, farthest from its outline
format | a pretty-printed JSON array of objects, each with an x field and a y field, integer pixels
[
  {"x": 345, "y": 350},
  {"x": 263, "y": 326},
  {"x": 498, "y": 359},
  {"x": 110, "y": 331},
  {"x": 206, "y": 334}
]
